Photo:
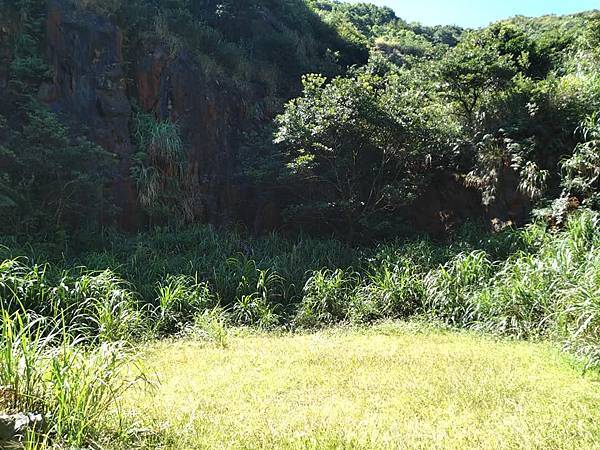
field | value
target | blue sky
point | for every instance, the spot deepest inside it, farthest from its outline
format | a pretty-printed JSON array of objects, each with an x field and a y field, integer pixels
[{"x": 476, "y": 13}]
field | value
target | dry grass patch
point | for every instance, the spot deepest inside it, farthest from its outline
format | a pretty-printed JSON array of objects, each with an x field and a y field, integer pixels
[{"x": 388, "y": 387}]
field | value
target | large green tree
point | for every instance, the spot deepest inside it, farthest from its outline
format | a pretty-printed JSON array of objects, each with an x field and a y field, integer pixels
[
  {"x": 359, "y": 148},
  {"x": 472, "y": 69}
]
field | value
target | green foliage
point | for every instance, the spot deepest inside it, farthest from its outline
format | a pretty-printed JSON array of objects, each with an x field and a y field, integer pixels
[
  {"x": 327, "y": 296},
  {"x": 212, "y": 325},
  {"x": 362, "y": 23},
  {"x": 499, "y": 108},
  {"x": 49, "y": 180},
  {"x": 404, "y": 47},
  {"x": 258, "y": 43},
  {"x": 160, "y": 140},
  {"x": 449, "y": 289},
  {"x": 497, "y": 159},
  {"x": 528, "y": 283},
  {"x": 179, "y": 298},
  {"x": 359, "y": 148},
  {"x": 159, "y": 168},
  {"x": 419, "y": 107},
  {"x": 537, "y": 294},
  {"x": 524, "y": 51},
  {"x": 472, "y": 69},
  {"x": 581, "y": 171},
  {"x": 391, "y": 291},
  {"x": 256, "y": 295},
  {"x": 28, "y": 68},
  {"x": 98, "y": 306}
]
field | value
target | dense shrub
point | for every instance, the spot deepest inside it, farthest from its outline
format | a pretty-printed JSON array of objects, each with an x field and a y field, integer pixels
[
  {"x": 327, "y": 298},
  {"x": 358, "y": 148},
  {"x": 48, "y": 180},
  {"x": 390, "y": 291},
  {"x": 531, "y": 283}
]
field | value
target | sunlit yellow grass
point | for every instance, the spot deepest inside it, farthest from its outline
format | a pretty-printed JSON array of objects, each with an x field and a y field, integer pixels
[{"x": 390, "y": 387}]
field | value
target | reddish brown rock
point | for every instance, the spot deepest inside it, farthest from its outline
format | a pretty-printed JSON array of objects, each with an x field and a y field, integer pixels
[
  {"x": 176, "y": 88},
  {"x": 85, "y": 52}
]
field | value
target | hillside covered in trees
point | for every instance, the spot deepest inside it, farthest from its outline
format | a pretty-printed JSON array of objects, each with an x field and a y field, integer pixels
[{"x": 173, "y": 112}]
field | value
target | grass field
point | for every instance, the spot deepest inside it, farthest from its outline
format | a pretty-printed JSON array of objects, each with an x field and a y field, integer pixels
[{"x": 392, "y": 386}]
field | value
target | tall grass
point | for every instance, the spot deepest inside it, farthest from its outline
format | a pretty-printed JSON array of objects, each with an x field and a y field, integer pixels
[
  {"x": 327, "y": 297},
  {"x": 553, "y": 292},
  {"x": 98, "y": 305},
  {"x": 546, "y": 286},
  {"x": 528, "y": 283},
  {"x": 391, "y": 290},
  {"x": 61, "y": 350},
  {"x": 46, "y": 370},
  {"x": 179, "y": 298}
]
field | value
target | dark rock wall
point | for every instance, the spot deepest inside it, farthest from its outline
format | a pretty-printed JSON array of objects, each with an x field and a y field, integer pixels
[
  {"x": 4, "y": 56},
  {"x": 176, "y": 88},
  {"x": 85, "y": 51},
  {"x": 90, "y": 84}
]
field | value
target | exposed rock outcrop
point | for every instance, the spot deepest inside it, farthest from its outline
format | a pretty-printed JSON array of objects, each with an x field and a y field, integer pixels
[
  {"x": 90, "y": 84},
  {"x": 13, "y": 427},
  {"x": 85, "y": 51},
  {"x": 176, "y": 88}
]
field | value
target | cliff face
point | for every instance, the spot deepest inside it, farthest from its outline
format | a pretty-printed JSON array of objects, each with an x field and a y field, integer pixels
[
  {"x": 95, "y": 85},
  {"x": 177, "y": 89},
  {"x": 90, "y": 83},
  {"x": 85, "y": 52}
]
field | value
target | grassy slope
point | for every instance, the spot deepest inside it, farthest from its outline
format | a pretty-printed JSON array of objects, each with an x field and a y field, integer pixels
[{"x": 389, "y": 387}]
